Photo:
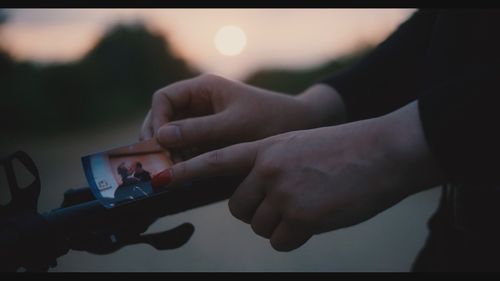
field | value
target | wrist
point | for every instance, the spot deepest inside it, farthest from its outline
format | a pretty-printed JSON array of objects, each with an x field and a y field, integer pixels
[
  {"x": 324, "y": 105},
  {"x": 407, "y": 150}
]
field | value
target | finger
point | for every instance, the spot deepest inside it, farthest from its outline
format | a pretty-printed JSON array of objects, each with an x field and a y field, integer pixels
[
  {"x": 266, "y": 219},
  {"x": 247, "y": 198},
  {"x": 161, "y": 110},
  {"x": 173, "y": 99},
  {"x": 287, "y": 237},
  {"x": 233, "y": 160},
  {"x": 193, "y": 131},
  {"x": 147, "y": 128}
]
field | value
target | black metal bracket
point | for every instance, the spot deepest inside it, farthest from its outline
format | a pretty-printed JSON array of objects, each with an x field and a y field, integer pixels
[{"x": 34, "y": 241}]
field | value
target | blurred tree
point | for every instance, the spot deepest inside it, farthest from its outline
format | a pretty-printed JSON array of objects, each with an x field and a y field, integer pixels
[
  {"x": 5, "y": 59},
  {"x": 295, "y": 81},
  {"x": 112, "y": 83},
  {"x": 127, "y": 66}
]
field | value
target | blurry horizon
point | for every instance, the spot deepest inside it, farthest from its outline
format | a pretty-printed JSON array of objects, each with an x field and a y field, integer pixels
[{"x": 276, "y": 38}]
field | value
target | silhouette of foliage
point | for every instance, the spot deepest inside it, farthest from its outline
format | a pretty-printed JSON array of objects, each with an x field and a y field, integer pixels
[
  {"x": 295, "y": 81},
  {"x": 113, "y": 81},
  {"x": 5, "y": 60}
]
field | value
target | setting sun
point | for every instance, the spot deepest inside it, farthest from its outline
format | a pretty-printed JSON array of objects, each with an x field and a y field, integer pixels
[{"x": 230, "y": 40}]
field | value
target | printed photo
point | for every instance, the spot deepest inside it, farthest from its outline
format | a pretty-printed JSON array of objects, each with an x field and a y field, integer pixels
[{"x": 128, "y": 173}]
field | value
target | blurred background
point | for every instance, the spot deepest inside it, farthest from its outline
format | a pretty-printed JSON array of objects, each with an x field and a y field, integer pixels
[{"x": 77, "y": 81}]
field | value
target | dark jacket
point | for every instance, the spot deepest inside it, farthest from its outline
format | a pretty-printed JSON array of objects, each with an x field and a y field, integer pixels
[{"x": 450, "y": 62}]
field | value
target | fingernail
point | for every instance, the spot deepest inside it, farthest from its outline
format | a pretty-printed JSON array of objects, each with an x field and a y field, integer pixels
[
  {"x": 161, "y": 179},
  {"x": 169, "y": 135}
]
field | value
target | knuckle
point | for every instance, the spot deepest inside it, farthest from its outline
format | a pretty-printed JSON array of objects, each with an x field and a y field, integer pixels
[
  {"x": 236, "y": 211},
  {"x": 210, "y": 79},
  {"x": 158, "y": 95},
  {"x": 268, "y": 168},
  {"x": 297, "y": 216},
  {"x": 260, "y": 229},
  {"x": 259, "y": 224},
  {"x": 231, "y": 206},
  {"x": 207, "y": 77},
  {"x": 279, "y": 246}
]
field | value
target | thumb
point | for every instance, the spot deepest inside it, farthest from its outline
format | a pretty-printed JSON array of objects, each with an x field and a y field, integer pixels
[{"x": 192, "y": 131}]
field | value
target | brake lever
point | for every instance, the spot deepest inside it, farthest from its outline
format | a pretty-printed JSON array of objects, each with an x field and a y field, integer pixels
[
  {"x": 123, "y": 231},
  {"x": 25, "y": 198},
  {"x": 101, "y": 243}
]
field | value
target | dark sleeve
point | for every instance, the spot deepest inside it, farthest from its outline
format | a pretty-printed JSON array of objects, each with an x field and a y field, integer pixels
[
  {"x": 390, "y": 75},
  {"x": 461, "y": 122},
  {"x": 460, "y": 108}
]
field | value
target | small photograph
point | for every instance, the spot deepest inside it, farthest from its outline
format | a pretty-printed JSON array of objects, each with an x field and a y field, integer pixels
[{"x": 128, "y": 173}]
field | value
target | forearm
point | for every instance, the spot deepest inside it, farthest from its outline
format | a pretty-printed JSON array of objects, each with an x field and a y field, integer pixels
[
  {"x": 399, "y": 136},
  {"x": 407, "y": 149}
]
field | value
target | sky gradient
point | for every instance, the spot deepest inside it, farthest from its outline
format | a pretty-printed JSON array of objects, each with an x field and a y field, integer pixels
[{"x": 292, "y": 38}]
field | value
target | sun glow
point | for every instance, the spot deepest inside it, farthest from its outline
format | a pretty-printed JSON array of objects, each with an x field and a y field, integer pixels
[{"x": 230, "y": 40}]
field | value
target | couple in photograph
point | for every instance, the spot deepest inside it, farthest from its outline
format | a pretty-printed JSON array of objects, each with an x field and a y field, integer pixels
[{"x": 134, "y": 181}]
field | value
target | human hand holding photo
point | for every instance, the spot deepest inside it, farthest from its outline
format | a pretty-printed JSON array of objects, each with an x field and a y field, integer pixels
[{"x": 213, "y": 111}]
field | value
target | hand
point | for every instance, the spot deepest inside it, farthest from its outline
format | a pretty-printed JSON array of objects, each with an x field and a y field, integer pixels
[
  {"x": 212, "y": 111},
  {"x": 307, "y": 182}
]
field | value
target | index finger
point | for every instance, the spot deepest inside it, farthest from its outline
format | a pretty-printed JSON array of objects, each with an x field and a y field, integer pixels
[
  {"x": 168, "y": 101},
  {"x": 232, "y": 160},
  {"x": 162, "y": 107}
]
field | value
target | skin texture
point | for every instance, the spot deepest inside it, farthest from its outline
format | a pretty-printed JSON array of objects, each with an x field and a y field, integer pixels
[{"x": 314, "y": 177}]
